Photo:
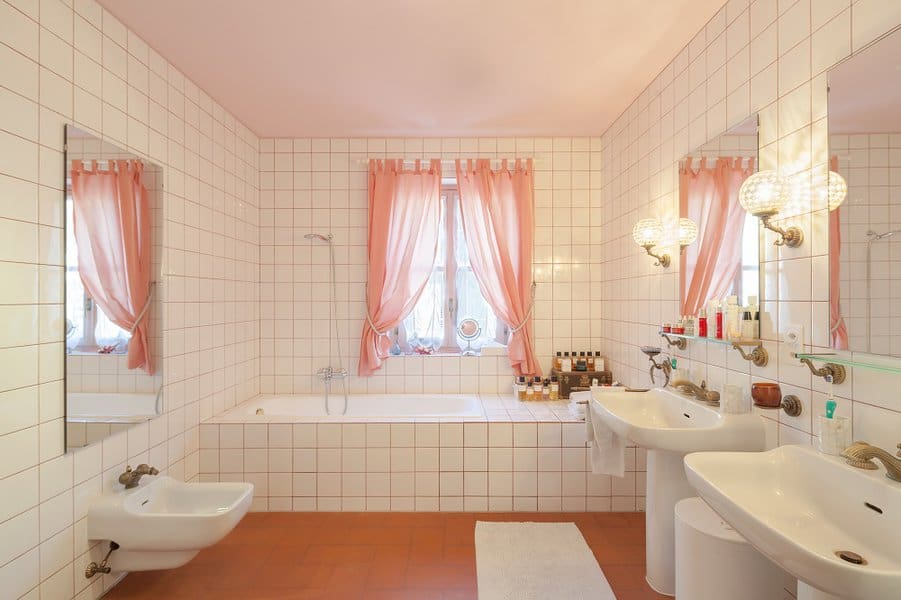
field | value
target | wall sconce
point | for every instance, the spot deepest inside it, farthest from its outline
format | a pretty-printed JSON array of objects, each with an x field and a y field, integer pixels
[
  {"x": 836, "y": 190},
  {"x": 647, "y": 233},
  {"x": 688, "y": 233},
  {"x": 763, "y": 195}
]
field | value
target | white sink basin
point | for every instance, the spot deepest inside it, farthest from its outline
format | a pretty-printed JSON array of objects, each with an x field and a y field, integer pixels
[
  {"x": 164, "y": 523},
  {"x": 670, "y": 425},
  {"x": 800, "y": 507},
  {"x": 661, "y": 419}
]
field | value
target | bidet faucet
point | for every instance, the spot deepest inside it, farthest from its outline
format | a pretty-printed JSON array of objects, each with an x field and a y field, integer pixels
[
  {"x": 861, "y": 455},
  {"x": 132, "y": 477}
]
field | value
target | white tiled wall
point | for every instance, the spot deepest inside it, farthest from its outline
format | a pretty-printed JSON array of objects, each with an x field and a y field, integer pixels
[
  {"x": 763, "y": 56},
  {"x": 871, "y": 164},
  {"x": 62, "y": 64},
  {"x": 319, "y": 185}
]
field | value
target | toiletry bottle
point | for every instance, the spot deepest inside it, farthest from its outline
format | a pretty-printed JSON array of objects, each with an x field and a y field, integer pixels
[
  {"x": 719, "y": 321},
  {"x": 590, "y": 359},
  {"x": 747, "y": 326},
  {"x": 581, "y": 363},
  {"x": 546, "y": 390},
  {"x": 599, "y": 362},
  {"x": 521, "y": 388},
  {"x": 755, "y": 315},
  {"x": 667, "y": 328},
  {"x": 555, "y": 388},
  {"x": 567, "y": 364},
  {"x": 702, "y": 323},
  {"x": 557, "y": 360},
  {"x": 711, "y": 319},
  {"x": 530, "y": 391}
]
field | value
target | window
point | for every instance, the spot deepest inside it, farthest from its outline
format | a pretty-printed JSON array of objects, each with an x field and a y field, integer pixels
[
  {"x": 87, "y": 328},
  {"x": 451, "y": 295}
]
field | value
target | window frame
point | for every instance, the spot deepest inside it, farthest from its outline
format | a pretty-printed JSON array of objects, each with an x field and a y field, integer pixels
[{"x": 450, "y": 198}]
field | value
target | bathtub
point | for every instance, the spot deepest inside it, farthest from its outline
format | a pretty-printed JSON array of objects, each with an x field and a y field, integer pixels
[
  {"x": 111, "y": 407},
  {"x": 382, "y": 407}
]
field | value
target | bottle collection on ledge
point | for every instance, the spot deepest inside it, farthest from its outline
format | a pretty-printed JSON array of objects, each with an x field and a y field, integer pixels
[
  {"x": 721, "y": 320},
  {"x": 571, "y": 372}
]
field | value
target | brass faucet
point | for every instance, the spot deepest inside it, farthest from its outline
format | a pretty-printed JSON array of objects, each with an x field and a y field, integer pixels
[
  {"x": 131, "y": 478},
  {"x": 861, "y": 455},
  {"x": 698, "y": 391}
]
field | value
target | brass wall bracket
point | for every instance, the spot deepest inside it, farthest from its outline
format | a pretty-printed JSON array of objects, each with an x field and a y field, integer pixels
[
  {"x": 791, "y": 237},
  {"x": 792, "y": 406},
  {"x": 663, "y": 260},
  {"x": 837, "y": 371},
  {"x": 680, "y": 343},
  {"x": 759, "y": 356}
]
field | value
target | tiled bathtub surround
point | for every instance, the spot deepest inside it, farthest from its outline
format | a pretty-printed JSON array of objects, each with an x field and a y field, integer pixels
[
  {"x": 762, "y": 56},
  {"x": 71, "y": 62},
  {"x": 320, "y": 185},
  {"x": 520, "y": 457}
]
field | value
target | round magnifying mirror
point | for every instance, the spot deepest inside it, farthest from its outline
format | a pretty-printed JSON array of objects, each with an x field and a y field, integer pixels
[{"x": 469, "y": 329}]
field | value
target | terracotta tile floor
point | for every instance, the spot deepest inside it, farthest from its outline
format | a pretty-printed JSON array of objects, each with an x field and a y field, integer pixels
[{"x": 374, "y": 556}]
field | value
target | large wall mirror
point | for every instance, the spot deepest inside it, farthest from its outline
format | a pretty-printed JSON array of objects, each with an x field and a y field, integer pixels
[
  {"x": 865, "y": 229},
  {"x": 724, "y": 259},
  {"x": 114, "y": 328}
]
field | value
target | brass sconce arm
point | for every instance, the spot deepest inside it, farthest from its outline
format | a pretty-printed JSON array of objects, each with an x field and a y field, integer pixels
[
  {"x": 662, "y": 260},
  {"x": 680, "y": 343},
  {"x": 836, "y": 371},
  {"x": 759, "y": 356},
  {"x": 791, "y": 237}
]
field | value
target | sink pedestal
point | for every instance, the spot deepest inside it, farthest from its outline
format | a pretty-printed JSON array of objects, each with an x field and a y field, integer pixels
[
  {"x": 666, "y": 485},
  {"x": 805, "y": 592}
]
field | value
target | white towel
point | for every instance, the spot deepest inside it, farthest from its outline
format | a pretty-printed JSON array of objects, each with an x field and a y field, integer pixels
[{"x": 608, "y": 450}]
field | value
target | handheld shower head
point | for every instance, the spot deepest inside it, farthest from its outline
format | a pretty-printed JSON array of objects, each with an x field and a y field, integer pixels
[{"x": 318, "y": 236}]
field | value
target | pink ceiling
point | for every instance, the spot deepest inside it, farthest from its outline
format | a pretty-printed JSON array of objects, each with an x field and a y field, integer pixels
[
  {"x": 417, "y": 68},
  {"x": 865, "y": 91}
]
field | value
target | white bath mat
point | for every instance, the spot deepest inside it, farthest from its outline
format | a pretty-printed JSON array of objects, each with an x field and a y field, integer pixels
[{"x": 537, "y": 561}]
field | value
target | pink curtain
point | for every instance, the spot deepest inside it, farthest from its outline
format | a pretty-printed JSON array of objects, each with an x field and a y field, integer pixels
[
  {"x": 111, "y": 220},
  {"x": 709, "y": 196},
  {"x": 498, "y": 224},
  {"x": 837, "y": 328},
  {"x": 404, "y": 221}
]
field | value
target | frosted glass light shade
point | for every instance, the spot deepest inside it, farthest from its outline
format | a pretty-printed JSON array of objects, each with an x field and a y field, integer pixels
[
  {"x": 688, "y": 231},
  {"x": 764, "y": 193},
  {"x": 647, "y": 232},
  {"x": 837, "y": 190}
]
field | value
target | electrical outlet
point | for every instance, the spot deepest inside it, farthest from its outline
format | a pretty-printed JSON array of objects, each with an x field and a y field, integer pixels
[{"x": 794, "y": 337}]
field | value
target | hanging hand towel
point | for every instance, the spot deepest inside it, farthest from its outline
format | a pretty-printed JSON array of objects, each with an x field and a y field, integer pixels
[{"x": 608, "y": 450}]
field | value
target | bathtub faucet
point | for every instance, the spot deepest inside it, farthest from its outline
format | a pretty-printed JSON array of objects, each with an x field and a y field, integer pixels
[{"x": 328, "y": 373}]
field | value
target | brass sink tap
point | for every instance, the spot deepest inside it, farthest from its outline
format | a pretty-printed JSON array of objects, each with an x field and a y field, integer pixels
[
  {"x": 132, "y": 477},
  {"x": 861, "y": 455},
  {"x": 698, "y": 391}
]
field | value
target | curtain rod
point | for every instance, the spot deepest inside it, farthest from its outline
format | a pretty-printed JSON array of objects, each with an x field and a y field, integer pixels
[{"x": 450, "y": 161}]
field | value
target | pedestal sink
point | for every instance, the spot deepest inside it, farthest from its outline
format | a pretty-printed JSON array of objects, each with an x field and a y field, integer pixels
[
  {"x": 812, "y": 514},
  {"x": 671, "y": 425},
  {"x": 164, "y": 523}
]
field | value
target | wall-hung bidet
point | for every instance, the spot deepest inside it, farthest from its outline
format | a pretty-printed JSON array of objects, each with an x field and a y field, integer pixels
[
  {"x": 162, "y": 523},
  {"x": 670, "y": 425}
]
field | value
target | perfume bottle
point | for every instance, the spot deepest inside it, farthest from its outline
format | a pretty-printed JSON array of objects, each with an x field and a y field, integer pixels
[{"x": 555, "y": 389}]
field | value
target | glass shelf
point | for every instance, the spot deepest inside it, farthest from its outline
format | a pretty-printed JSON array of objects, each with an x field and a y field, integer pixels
[
  {"x": 873, "y": 363},
  {"x": 743, "y": 342}
]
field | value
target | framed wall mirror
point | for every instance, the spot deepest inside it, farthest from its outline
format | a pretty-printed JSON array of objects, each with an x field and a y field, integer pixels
[
  {"x": 865, "y": 200},
  {"x": 114, "y": 318},
  {"x": 723, "y": 260}
]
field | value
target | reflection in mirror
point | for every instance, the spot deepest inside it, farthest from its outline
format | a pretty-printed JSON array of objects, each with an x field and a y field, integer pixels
[
  {"x": 113, "y": 207},
  {"x": 865, "y": 229},
  {"x": 723, "y": 260}
]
